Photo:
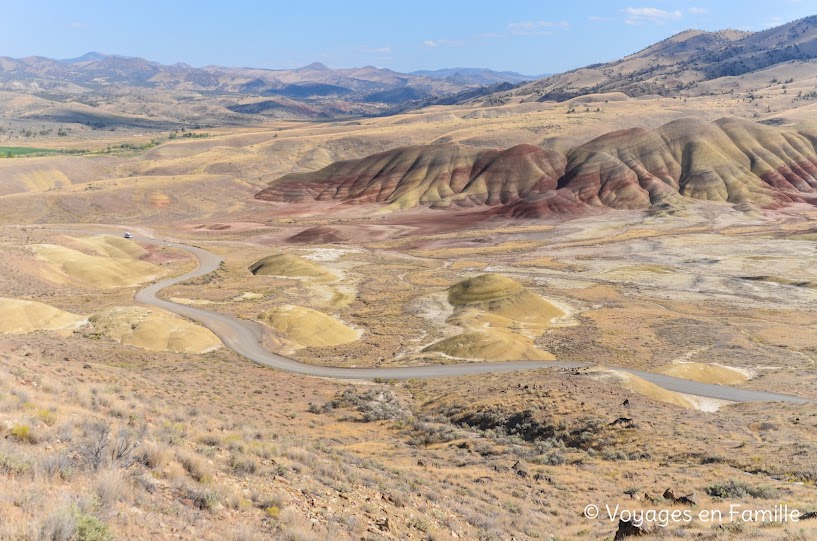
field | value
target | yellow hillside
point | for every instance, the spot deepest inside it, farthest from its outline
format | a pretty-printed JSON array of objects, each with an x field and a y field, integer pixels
[
  {"x": 504, "y": 297},
  {"x": 308, "y": 327},
  {"x": 500, "y": 319},
  {"x": 705, "y": 373},
  {"x": 640, "y": 386},
  {"x": 493, "y": 345},
  {"x": 154, "y": 330},
  {"x": 110, "y": 246},
  {"x": 21, "y": 317},
  {"x": 118, "y": 264},
  {"x": 289, "y": 265}
]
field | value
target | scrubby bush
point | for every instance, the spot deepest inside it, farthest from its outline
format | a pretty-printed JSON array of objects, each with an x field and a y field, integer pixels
[
  {"x": 733, "y": 489},
  {"x": 195, "y": 466},
  {"x": 90, "y": 528},
  {"x": 23, "y": 433},
  {"x": 373, "y": 404}
]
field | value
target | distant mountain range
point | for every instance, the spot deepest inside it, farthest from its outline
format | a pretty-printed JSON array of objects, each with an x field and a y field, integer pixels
[
  {"x": 96, "y": 72},
  {"x": 99, "y": 81},
  {"x": 477, "y": 76},
  {"x": 103, "y": 90}
]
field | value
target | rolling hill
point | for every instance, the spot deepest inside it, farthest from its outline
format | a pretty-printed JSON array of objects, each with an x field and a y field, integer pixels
[
  {"x": 729, "y": 161},
  {"x": 679, "y": 64}
]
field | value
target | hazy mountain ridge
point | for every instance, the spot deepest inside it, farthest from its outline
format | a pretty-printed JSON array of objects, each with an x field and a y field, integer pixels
[
  {"x": 677, "y": 64},
  {"x": 97, "y": 71}
]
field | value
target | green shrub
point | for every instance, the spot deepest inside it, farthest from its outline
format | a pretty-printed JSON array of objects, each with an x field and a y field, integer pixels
[
  {"x": 23, "y": 433},
  {"x": 272, "y": 511},
  {"x": 90, "y": 528}
]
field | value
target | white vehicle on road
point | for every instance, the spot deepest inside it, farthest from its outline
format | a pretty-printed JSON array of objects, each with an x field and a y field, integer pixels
[{"x": 128, "y": 235}]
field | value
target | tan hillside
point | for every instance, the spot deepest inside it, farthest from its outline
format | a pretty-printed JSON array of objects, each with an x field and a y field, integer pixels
[
  {"x": 705, "y": 373},
  {"x": 289, "y": 265},
  {"x": 504, "y": 297},
  {"x": 21, "y": 316},
  {"x": 489, "y": 345},
  {"x": 308, "y": 327},
  {"x": 153, "y": 329},
  {"x": 117, "y": 268},
  {"x": 676, "y": 65},
  {"x": 500, "y": 319},
  {"x": 640, "y": 386}
]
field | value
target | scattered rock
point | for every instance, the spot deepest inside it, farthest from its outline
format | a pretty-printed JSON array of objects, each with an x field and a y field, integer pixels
[
  {"x": 624, "y": 422},
  {"x": 689, "y": 499},
  {"x": 628, "y": 529},
  {"x": 383, "y": 524},
  {"x": 520, "y": 469}
]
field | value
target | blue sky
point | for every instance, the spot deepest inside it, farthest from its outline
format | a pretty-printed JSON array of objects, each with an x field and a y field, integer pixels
[{"x": 531, "y": 37}]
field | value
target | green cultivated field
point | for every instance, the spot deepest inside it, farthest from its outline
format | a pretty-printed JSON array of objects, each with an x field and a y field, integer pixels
[{"x": 12, "y": 152}]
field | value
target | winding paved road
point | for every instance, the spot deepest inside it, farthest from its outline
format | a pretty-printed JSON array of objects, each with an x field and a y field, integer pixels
[{"x": 243, "y": 337}]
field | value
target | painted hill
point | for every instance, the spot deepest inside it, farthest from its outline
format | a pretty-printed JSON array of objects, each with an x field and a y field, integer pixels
[{"x": 729, "y": 160}]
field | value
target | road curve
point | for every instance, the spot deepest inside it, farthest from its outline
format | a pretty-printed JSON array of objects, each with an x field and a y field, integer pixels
[{"x": 243, "y": 337}]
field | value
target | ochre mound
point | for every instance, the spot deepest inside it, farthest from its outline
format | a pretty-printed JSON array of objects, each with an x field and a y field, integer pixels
[
  {"x": 114, "y": 247},
  {"x": 491, "y": 345},
  {"x": 309, "y": 327},
  {"x": 21, "y": 317},
  {"x": 640, "y": 386},
  {"x": 705, "y": 373},
  {"x": 730, "y": 160},
  {"x": 153, "y": 329},
  {"x": 504, "y": 297},
  {"x": 118, "y": 264},
  {"x": 289, "y": 265}
]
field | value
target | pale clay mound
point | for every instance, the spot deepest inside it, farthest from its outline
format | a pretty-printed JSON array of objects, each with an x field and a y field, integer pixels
[
  {"x": 706, "y": 373},
  {"x": 309, "y": 327},
  {"x": 21, "y": 317},
  {"x": 118, "y": 264},
  {"x": 640, "y": 386},
  {"x": 289, "y": 265},
  {"x": 154, "y": 330},
  {"x": 493, "y": 345},
  {"x": 500, "y": 320},
  {"x": 503, "y": 296}
]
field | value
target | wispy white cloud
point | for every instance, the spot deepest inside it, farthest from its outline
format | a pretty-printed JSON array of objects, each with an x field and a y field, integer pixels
[
  {"x": 698, "y": 11},
  {"x": 527, "y": 28},
  {"x": 638, "y": 16},
  {"x": 376, "y": 50},
  {"x": 442, "y": 43},
  {"x": 772, "y": 21}
]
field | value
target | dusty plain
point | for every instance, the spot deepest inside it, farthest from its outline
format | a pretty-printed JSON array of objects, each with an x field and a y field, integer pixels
[{"x": 107, "y": 422}]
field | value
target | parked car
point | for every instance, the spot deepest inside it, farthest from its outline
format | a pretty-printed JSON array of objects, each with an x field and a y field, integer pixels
[{"x": 128, "y": 235}]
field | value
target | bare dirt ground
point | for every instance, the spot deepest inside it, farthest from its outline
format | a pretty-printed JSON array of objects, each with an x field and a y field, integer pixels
[{"x": 207, "y": 445}]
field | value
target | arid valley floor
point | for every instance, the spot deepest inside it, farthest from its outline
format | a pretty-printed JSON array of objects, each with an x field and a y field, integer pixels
[{"x": 127, "y": 421}]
